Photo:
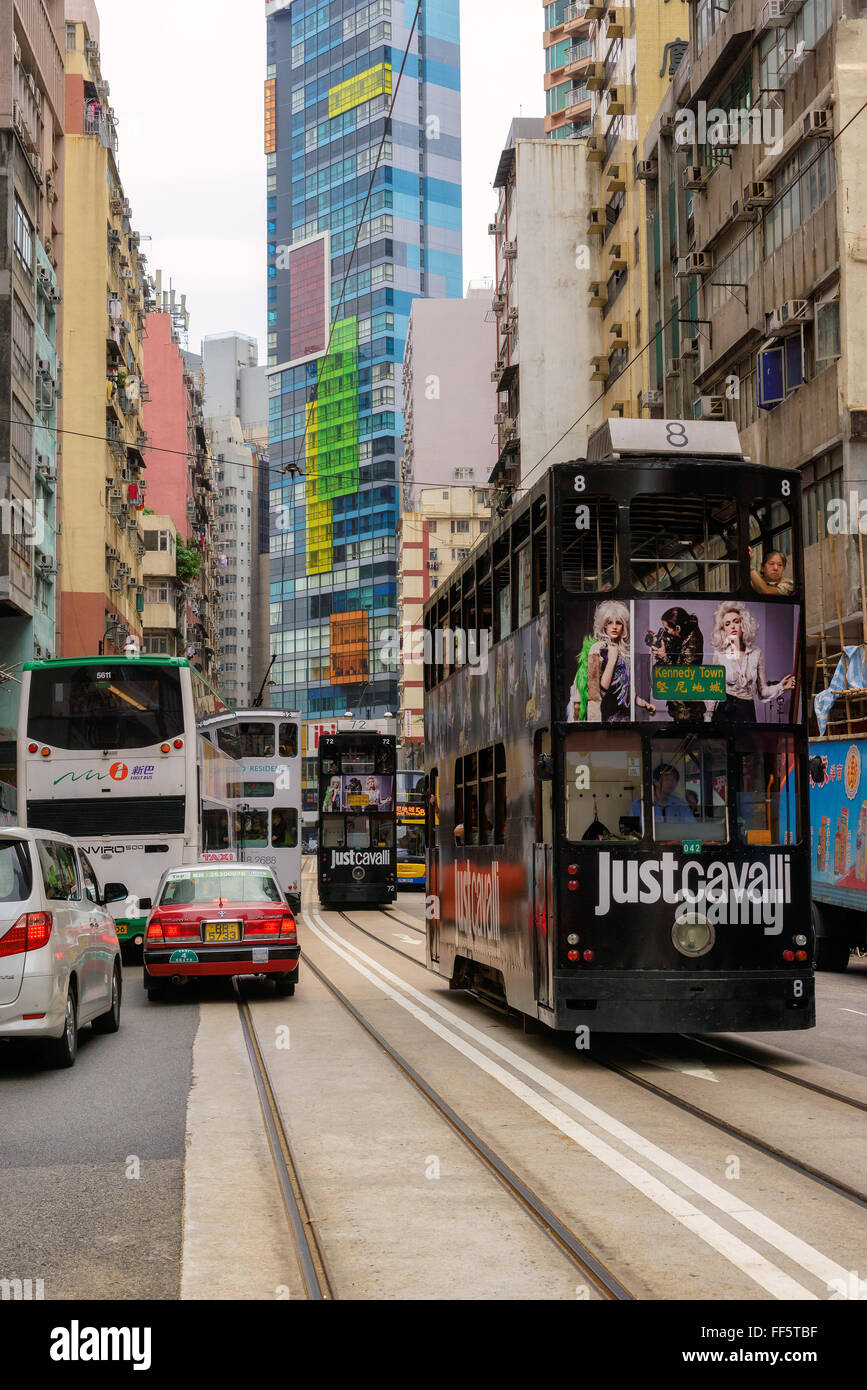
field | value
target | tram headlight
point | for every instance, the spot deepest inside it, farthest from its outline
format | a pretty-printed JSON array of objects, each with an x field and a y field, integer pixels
[
  {"x": 694, "y": 935},
  {"x": 572, "y": 938},
  {"x": 800, "y": 941}
]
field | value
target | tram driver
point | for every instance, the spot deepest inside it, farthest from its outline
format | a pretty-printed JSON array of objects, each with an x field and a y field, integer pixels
[{"x": 667, "y": 805}]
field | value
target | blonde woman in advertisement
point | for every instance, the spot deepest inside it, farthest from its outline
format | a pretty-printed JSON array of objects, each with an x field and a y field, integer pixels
[
  {"x": 602, "y": 688},
  {"x": 734, "y": 641}
]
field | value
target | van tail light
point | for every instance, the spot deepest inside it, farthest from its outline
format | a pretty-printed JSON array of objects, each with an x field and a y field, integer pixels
[
  {"x": 287, "y": 929},
  {"x": 155, "y": 930},
  {"x": 29, "y": 933}
]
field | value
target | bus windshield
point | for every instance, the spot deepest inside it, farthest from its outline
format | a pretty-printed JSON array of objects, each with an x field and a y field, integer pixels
[{"x": 95, "y": 707}]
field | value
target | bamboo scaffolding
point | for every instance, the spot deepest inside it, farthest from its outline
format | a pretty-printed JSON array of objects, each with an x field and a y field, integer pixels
[{"x": 842, "y": 637}]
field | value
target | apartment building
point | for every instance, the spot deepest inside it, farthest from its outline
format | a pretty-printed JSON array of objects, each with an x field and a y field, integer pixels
[
  {"x": 448, "y": 436},
  {"x": 236, "y": 474},
  {"x": 235, "y": 384},
  {"x": 337, "y": 329},
  {"x": 107, "y": 295},
  {"x": 569, "y": 53},
  {"x": 32, "y": 41},
  {"x": 432, "y": 542},
  {"x": 759, "y": 255},
  {"x": 546, "y": 330},
  {"x": 163, "y": 610}
]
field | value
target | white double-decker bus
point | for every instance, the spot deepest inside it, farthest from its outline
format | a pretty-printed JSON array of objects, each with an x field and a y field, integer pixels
[
  {"x": 109, "y": 752},
  {"x": 267, "y": 812}
]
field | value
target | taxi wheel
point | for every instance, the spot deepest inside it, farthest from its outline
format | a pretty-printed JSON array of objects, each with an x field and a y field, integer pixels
[
  {"x": 109, "y": 1022},
  {"x": 284, "y": 985},
  {"x": 61, "y": 1052}
]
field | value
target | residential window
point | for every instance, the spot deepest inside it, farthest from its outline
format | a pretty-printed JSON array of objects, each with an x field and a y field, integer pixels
[
  {"x": 822, "y": 480},
  {"x": 800, "y": 187},
  {"x": 827, "y": 340},
  {"x": 70, "y": 38},
  {"x": 23, "y": 237},
  {"x": 22, "y": 337}
]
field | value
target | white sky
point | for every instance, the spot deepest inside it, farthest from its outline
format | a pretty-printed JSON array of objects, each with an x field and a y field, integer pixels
[{"x": 186, "y": 85}]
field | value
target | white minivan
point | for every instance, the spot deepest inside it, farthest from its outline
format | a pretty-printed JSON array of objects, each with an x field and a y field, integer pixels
[{"x": 59, "y": 953}]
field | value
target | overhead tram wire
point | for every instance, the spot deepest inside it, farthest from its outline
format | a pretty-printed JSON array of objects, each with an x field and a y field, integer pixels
[
  {"x": 299, "y": 444},
  {"x": 707, "y": 278}
]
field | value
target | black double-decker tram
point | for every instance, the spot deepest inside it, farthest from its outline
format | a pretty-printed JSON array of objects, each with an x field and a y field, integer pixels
[
  {"x": 357, "y": 856},
  {"x": 617, "y": 812}
]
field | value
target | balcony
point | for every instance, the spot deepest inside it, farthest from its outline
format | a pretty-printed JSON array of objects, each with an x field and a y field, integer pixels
[
  {"x": 576, "y": 16},
  {"x": 578, "y": 59}
]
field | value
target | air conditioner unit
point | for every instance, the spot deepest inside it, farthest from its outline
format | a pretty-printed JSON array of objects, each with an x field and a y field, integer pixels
[
  {"x": 500, "y": 418},
  {"x": 595, "y": 78},
  {"x": 817, "y": 122},
  {"x": 789, "y": 315},
  {"x": 616, "y": 179},
  {"x": 493, "y": 228},
  {"x": 595, "y": 149},
  {"x": 696, "y": 263},
  {"x": 36, "y": 164},
  {"x": 616, "y": 101},
  {"x": 740, "y": 213},
  {"x": 598, "y": 295},
  {"x": 689, "y": 347},
  {"x": 774, "y": 16},
  {"x": 694, "y": 176},
  {"x": 125, "y": 326},
  {"x": 601, "y": 369},
  {"x": 712, "y": 407},
  {"x": 651, "y": 399},
  {"x": 116, "y": 584},
  {"x": 43, "y": 274},
  {"x": 596, "y": 221},
  {"x": 43, "y": 366},
  {"x": 91, "y": 47},
  {"x": 758, "y": 194},
  {"x": 672, "y": 366},
  {"x": 615, "y": 24},
  {"x": 112, "y": 552},
  {"x": 513, "y": 315},
  {"x": 667, "y": 123},
  {"x": 510, "y": 250},
  {"x": 647, "y": 169},
  {"x": 47, "y": 565},
  {"x": 54, "y": 294}
]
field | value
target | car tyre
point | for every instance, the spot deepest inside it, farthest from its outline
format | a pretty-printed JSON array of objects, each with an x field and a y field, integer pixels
[
  {"x": 109, "y": 1022},
  {"x": 284, "y": 985},
  {"x": 61, "y": 1052}
]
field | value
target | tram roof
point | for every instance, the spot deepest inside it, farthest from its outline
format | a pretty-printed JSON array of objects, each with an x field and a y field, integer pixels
[{"x": 144, "y": 660}]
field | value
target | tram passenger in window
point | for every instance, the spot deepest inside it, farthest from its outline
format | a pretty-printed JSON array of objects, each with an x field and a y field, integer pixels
[
  {"x": 283, "y": 833},
  {"x": 678, "y": 643},
  {"x": 733, "y": 639},
  {"x": 768, "y": 578},
  {"x": 667, "y": 805}
]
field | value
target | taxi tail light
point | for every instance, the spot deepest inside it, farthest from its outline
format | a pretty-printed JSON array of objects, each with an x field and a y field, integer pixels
[
  {"x": 264, "y": 926},
  {"x": 155, "y": 930},
  {"x": 287, "y": 928},
  {"x": 173, "y": 931},
  {"x": 29, "y": 933}
]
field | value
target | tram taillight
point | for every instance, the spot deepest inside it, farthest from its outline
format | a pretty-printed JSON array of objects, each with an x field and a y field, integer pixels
[
  {"x": 788, "y": 955},
  {"x": 179, "y": 743},
  {"x": 800, "y": 955},
  {"x": 573, "y": 955},
  {"x": 573, "y": 885}
]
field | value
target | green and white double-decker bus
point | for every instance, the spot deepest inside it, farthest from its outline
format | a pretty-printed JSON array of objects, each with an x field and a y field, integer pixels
[{"x": 109, "y": 752}]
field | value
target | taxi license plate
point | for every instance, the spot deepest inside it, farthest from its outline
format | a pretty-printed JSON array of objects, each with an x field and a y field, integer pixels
[{"x": 221, "y": 931}]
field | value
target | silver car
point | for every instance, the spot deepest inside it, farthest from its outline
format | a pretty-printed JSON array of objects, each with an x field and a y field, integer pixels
[{"x": 59, "y": 953}]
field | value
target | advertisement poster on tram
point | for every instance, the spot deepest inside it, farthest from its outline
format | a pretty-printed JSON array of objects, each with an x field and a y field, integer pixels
[
  {"x": 838, "y": 821},
  {"x": 365, "y": 792},
  {"x": 652, "y": 660}
]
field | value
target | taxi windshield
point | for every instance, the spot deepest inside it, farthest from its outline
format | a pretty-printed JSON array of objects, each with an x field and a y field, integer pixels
[{"x": 208, "y": 886}]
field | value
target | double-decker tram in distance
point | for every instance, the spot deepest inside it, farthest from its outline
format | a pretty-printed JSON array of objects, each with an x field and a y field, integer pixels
[
  {"x": 109, "y": 752},
  {"x": 616, "y": 744},
  {"x": 267, "y": 810},
  {"x": 411, "y": 829},
  {"x": 357, "y": 855}
]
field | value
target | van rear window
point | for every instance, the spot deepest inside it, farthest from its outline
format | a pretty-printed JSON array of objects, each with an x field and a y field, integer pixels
[{"x": 16, "y": 874}]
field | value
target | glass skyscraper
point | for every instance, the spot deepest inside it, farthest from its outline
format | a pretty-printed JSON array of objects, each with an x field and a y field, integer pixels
[{"x": 335, "y": 364}]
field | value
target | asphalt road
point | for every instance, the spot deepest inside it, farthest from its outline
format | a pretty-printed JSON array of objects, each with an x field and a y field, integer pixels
[
  {"x": 72, "y": 1210},
  {"x": 840, "y": 1036}
]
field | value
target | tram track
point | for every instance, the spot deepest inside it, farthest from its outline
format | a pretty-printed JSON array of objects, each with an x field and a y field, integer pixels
[
  {"x": 312, "y": 1264},
  {"x": 582, "y": 1259},
  {"x": 814, "y": 1086},
  {"x": 378, "y": 939},
  {"x": 797, "y": 1165}
]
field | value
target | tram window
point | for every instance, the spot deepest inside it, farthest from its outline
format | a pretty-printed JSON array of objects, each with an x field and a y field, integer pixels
[
  {"x": 690, "y": 798},
  {"x": 589, "y": 562},
  {"x": 357, "y": 832},
  {"x": 382, "y": 832},
  {"x": 684, "y": 544},
  {"x": 258, "y": 789},
  {"x": 771, "y": 561},
  {"x": 486, "y": 796},
  {"x": 433, "y": 807},
  {"x": 215, "y": 830},
  {"x": 333, "y": 832},
  {"x": 251, "y": 829},
  {"x": 257, "y": 740},
  {"x": 230, "y": 743},
  {"x": 471, "y": 800},
  {"x": 768, "y": 792},
  {"x": 288, "y": 740},
  {"x": 523, "y": 584},
  {"x": 500, "y": 794},
  {"x": 284, "y": 828},
  {"x": 502, "y": 588},
  {"x": 603, "y": 786},
  {"x": 485, "y": 595},
  {"x": 540, "y": 556}
]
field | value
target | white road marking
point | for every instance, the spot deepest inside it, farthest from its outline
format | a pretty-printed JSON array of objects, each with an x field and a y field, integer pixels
[
  {"x": 688, "y": 1068},
  {"x": 743, "y": 1256},
  {"x": 412, "y": 940},
  {"x": 853, "y": 1011},
  {"x": 796, "y": 1249}
]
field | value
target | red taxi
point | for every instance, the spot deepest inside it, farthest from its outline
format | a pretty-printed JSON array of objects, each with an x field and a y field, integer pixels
[{"x": 219, "y": 919}]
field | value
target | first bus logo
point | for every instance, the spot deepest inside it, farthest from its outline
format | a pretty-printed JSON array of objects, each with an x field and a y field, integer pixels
[{"x": 118, "y": 772}]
